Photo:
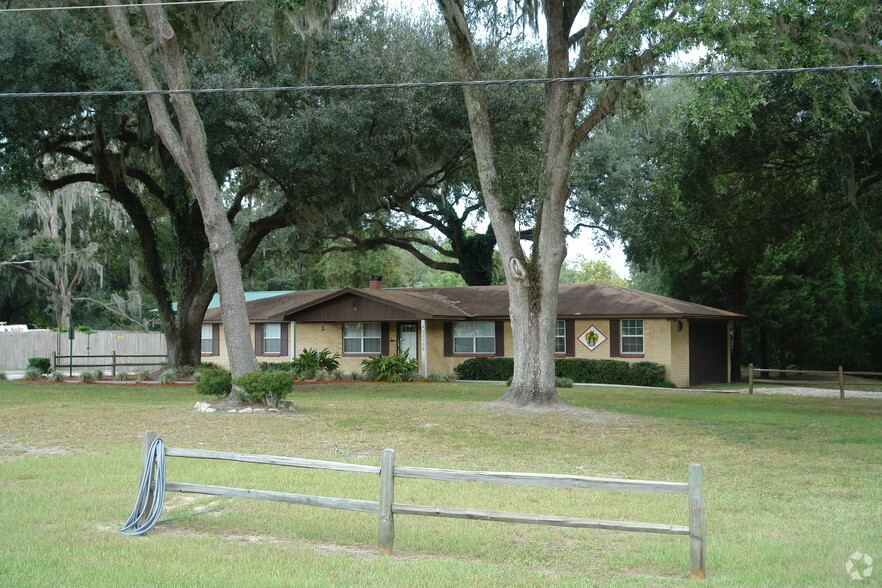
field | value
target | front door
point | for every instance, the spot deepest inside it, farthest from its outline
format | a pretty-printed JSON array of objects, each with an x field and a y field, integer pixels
[{"x": 407, "y": 339}]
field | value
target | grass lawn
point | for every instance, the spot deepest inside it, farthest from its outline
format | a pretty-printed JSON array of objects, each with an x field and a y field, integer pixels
[{"x": 793, "y": 486}]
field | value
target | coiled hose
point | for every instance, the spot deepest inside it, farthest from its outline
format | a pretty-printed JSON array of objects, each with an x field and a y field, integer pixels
[{"x": 148, "y": 506}]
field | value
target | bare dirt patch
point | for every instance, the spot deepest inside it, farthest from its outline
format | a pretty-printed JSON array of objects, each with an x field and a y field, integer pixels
[{"x": 561, "y": 408}]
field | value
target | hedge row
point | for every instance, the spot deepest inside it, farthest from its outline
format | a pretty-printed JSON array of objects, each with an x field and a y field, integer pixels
[{"x": 587, "y": 371}]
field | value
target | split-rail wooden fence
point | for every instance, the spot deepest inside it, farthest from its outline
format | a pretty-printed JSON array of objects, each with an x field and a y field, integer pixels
[
  {"x": 837, "y": 377},
  {"x": 386, "y": 508}
]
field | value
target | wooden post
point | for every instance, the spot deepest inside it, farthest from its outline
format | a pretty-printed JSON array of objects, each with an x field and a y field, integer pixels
[
  {"x": 386, "y": 534},
  {"x": 54, "y": 361},
  {"x": 750, "y": 378},
  {"x": 113, "y": 363},
  {"x": 697, "y": 527},
  {"x": 841, "y": 383},
  {"x": 149, "y": 436}
]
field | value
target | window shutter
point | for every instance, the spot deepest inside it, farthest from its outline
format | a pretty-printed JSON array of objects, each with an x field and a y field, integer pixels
[
  {"x": 258, "y": 339},
  {"x": 615, "y": 338},
  {"x": 570, "y": 337},
  {"x": 448, "y": 339},
  {"x": 384, "y": 338},
  {"x": 284, "y": 336},
  {"x": 215, "y": 339},
  {"x": 500, "y": 338}
]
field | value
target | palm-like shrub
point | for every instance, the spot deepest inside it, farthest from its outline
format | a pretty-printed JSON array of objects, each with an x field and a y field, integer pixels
[
  {"x": 311, "y": 361},
  {"x": 390, "y": 368}
]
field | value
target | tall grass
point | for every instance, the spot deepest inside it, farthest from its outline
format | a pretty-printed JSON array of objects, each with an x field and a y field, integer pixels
[{"x": 792, "y": 487}]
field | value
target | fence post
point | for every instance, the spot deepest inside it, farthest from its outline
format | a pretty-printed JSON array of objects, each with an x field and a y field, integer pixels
[
  {"x": 149, "y": 436},
  {"x": 697, "y": 528},
  {"x": 386, "y": 532},
  {"x": 113, "y": 363},
  {"x": 750, "y": 378},
  {"x": 54, "y": 361},
  {"x": 841, "y": 383}
]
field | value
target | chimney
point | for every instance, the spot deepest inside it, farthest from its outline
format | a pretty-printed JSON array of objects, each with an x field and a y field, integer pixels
[{"x": 376, "y": 282}]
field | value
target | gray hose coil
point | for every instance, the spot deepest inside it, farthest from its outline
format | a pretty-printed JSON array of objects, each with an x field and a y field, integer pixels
[{"x": 147, "y": 503}]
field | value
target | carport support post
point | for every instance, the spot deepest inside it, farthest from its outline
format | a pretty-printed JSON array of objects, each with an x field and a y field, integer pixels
[
  {"x": 697, "y": 529},
  {"x": 750, "y": 379},
  {"x": 841, "y": 383},
  {"x": 386, "y": 531}
]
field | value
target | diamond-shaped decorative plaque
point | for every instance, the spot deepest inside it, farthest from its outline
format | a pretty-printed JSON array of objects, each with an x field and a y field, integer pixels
[{"x": 592, "y": 338}]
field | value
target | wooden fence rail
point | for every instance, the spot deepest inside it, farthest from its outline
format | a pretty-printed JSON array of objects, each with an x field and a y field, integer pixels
[
  {"x": 94, "y": 361},
  {"x": 386, "y": 508},
  {"x": 840, "y": 377}
]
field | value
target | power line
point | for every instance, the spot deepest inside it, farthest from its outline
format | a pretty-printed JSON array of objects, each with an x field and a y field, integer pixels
[
  {"x": 402, "y": 85},
  {"x": 101, "y": 6}
]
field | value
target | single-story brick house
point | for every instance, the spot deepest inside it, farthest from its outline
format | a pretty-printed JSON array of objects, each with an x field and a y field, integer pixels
[{"x": 444, "y": 326}]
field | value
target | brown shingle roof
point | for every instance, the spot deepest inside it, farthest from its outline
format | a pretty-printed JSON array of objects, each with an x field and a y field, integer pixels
[{"x": 574, "y": 300}]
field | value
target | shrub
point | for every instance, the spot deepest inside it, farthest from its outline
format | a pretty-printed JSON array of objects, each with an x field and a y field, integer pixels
[
  {"x": 41, "y": 364},
  {"x": 593, "y": 371},
  {"x": 207, "y": 365},
  {"x": 441, "y": 377},
  {"x": 391, "y": 368},
  {"x": 275, "y": 366},
  {"x": 216, "y": 382},
  {"x": 56, "y": 376},
  {"x": 122, "y": 376},
  {"x": 266, "y": 387},
  {"x": 3, "y": 376},
  {"x": 485, "y": 368},
  {"x": 563, "y": 383},
  {"x": 185, "y": 371},
  {"x": 647, "y": 373},
  {"x": 98, "y": 373},
  {"x": 310, "y": 361},
  {"x": 32, "y": 373},
  {"x": 168, "y": 377},
  {"x": 87, "y": 377},
  {"x": 338, "y": 374},
  {"x": 143, "y": 376}
]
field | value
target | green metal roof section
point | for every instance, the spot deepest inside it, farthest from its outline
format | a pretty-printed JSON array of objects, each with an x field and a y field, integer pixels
[{"x": 249, "y": 296}]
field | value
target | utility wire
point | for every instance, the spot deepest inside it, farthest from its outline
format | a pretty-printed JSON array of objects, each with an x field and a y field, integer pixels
[
  {"x": 657, "y": 76},
  {"x": 101, "y": 6}
]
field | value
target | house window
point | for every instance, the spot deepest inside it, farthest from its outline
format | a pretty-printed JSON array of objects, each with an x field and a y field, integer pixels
[
  {"x": 361, "y": 338},
  {"x": 560, "y": 337},
  {"x": 272, "y": 338},
  {"x": 474, "y": 337},
  {"x": 632, "y": 336},
  {"x": 207, "y": 339}
]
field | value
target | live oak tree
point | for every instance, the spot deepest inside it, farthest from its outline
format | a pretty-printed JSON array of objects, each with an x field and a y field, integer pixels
[
  {"x": 184, "y": 137},
  {"x": 581, "y": 39}
]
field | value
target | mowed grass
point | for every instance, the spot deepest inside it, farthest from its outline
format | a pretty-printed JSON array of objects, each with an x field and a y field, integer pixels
[{"x": 793, "y": 487}]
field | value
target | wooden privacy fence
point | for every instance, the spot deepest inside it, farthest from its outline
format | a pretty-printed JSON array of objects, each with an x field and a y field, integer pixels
[
  {"x": 17, "y": 348},
  {"x": 386, "y": 508},
  {"x": 112, "y": 361},
  {"x": 834, "y": 377}
]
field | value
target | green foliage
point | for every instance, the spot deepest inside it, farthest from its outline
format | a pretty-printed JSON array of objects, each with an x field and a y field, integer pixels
[
  {"x": 275, "y": 366},
  {"x": 87, "y": 377},
  {"x": 3, "y": 376},
  {"x": 390, "y": 368},
  {"x": 595, "y": 371},
  {"x": 213, "y": 382},
  {"x": 32, "y": 373},
  {"x": 143, "y": 376},
  {"x": 168, "y": 376},
  {"x": 123, "y": 376},
  {"x": 56, "y": 376},
  {"x": 41, "y": 364},
  {"x": 485, "y": 368},
  {"x": 98, "y": 373},
  {"x": 266, "y": 387},
  {"x": 311, "y": 361},
  {"x": 436, "y": 377}
]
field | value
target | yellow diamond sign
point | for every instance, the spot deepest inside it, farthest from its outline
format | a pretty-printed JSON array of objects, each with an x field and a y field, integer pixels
[{"x": 592, "y": 338}]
